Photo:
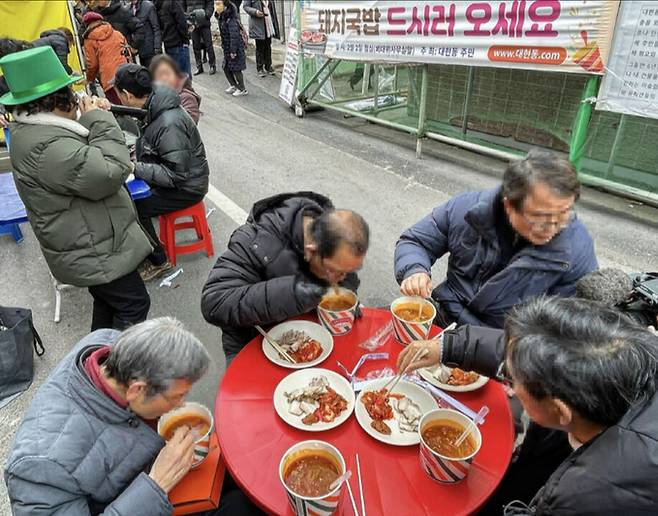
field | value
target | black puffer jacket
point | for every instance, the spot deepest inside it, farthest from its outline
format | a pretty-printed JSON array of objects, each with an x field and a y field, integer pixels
[
  {"x": 121, "y": 18},
  {"x": 615, "y": 473},
  {"x": 253, "y": 281},
  {"x": 232, "y": 44},
  {"x": 148, "y": 16},
  {"x": 59, "y": 43},
  {"x": 170, "y": 153},
  {"x": 173, "y": 24},
  {"x": 208, "y": 6}
]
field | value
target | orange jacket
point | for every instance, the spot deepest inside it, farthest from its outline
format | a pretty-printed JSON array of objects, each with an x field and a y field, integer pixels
[{"x": 105, "y": 50}]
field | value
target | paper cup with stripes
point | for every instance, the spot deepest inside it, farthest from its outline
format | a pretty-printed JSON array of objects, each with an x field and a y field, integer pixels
[
  {"x": 442, "y": 469},
  {"x": 407, "y": 331},
  {"x": 339, "y": 322},
  {"x": 324, "y": 505},
  {"x": 202, "y": 444}
]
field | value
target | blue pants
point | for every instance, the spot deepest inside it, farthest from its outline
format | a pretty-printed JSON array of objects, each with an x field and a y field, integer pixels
[{"x": 182, "y": 57}]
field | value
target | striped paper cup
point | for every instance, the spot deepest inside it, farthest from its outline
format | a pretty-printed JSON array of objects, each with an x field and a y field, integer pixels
[
  {"x": 446, "y": 470},
  {"x": 202, "y": 444},
  {"x": 406, "y": 331},
  {"x": 307, "y": 506},
  {"x": 339, "y": 322}
]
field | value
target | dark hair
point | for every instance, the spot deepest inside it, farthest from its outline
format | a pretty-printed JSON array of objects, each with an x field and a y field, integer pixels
[
  {"x": 134, "y": 79},
  {"x": 336, "y": 227},
  {"x": 69, "y": 35},
  {"x": 539, "y": 166},
  {"x": 592, "y": 357},
  {"x": 164, "y": 59},
  {"x": 11, "y": 45},
  {"x": 63, "y": 99}
]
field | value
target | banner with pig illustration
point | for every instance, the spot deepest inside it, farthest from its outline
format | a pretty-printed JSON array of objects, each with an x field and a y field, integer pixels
[{"x": 561, "y": 35}]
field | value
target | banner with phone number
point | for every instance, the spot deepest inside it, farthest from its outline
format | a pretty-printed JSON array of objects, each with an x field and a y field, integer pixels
[{"x": 560, "y": 35}]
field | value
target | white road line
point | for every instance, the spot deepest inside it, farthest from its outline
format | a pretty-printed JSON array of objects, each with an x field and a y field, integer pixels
[{"x": 226, "y": 205}]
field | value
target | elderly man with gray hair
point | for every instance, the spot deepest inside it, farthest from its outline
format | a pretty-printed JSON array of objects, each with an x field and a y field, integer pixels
[
  {"x": 88, "y": 443},
  {"x": 508, "y": 244}
]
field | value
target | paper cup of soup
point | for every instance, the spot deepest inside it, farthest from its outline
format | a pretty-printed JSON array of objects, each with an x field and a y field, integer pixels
[
  {"x": 196, "y": 417},
  {"x": 439, "y": 457},
  {"x": 412, "y": 318},
  {"x": 337, "y": 311},
  {"x": 306, "y": 471}
]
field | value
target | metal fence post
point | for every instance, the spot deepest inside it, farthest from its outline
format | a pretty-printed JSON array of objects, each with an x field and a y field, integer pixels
[
  {"x": 581, "y": 122},
  {"x": 376, "y": 92},
  {"x": 615, "y": 146},
  {"x": 422, "y": 112},
  {"x": 467, "y": 99}
]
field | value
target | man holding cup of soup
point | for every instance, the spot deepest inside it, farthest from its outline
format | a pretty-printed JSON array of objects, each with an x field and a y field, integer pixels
[
  {"x": 88, "y": 444},
  {"x": 581, "y": 368},
  {"x": 280, "y": 264},
  {"x": 507, "y": 244}
]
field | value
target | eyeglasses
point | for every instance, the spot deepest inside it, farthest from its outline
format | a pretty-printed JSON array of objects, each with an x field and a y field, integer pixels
[
  {"x": 550, "y": 220},
  {"x": 503, "y": 376}
]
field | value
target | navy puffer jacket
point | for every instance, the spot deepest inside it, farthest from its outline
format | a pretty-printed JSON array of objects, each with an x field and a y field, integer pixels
[
  {"x": 229, "y": 28},
  {"x": 465, "y": 227}
]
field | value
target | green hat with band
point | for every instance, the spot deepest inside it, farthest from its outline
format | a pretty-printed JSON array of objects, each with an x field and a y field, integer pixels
[{"x": 32, "y": 74}]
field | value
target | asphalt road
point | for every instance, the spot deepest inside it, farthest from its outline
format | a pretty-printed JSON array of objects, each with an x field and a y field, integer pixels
[{"x": 257, "y": 147}]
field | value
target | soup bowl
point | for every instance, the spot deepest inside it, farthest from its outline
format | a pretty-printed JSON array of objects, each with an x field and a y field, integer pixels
[
  {"x": 439, "y": 467},
  {"x": 322, "y": 505},
  {"x": 339, "y": 321},
  {"x": 408, "y": 331},
  {"x": 175, "y": 418}
]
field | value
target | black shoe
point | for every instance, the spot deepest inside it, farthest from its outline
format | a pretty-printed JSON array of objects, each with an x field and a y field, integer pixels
[
  {"x": 199, "y": 70},
  {"x": 213, "y": 70}
]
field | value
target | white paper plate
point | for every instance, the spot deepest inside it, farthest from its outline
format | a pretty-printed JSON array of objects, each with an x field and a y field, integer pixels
[
  {"x": 398, "y": 438},
  {"x": 427, "y": 374},
  {"x": 302, "y": 378},
  {"x": 313, "y": 330}
]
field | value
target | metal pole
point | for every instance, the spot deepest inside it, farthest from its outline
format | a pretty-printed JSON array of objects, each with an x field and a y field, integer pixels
[
  {"x": 315, "y": 76},
  {"x": 365, "y": 84},
  {"x": 581, "y": 123},
  {"x": 615, "y": 147},
  {"x": 325, "y": 78},
  {"x": 376, "y": 94},
  {"x": 422, "y": 112},
  {"x": 395, "y": 79},
  {"x": 371, "y": 118},
  {"x": 467, "y": 100}
]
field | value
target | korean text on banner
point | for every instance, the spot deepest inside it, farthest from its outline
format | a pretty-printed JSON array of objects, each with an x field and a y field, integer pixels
[
  {"x": 631, "y": 84},
  {"x": 567, "y": 35}
]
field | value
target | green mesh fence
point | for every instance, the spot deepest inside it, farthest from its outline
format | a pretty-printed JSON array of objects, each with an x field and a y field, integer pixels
[
  {"x": 508, "y": 109},
  {"x": 633, "y": 161}
]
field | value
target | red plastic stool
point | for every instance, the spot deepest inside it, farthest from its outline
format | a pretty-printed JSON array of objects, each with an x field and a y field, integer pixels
[{"x": 169, "y": 226}]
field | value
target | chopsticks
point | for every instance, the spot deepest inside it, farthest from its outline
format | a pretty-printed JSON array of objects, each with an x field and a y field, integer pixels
[
  {"x": 275, "y": 345},
  {"x": 349, "y": 489},
  {"x": 417, "y": 356}
]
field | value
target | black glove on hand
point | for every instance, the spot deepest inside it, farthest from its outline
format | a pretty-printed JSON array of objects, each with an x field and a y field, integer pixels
[{"x": 308, "y": 294}]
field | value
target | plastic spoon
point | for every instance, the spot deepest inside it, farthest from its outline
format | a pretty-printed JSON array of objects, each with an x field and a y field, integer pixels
[
  {"x": 476, "y": 421},
  {"x": 344, "y": 477}
]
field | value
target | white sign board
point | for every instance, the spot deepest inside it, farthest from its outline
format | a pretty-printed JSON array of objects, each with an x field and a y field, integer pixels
[
  {"x": 288, "y": 86},
  {"x": 631, "y": 84}
]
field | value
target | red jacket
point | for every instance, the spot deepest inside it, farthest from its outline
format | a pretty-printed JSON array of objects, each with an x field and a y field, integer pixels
[{"x": 105, "y": 50}]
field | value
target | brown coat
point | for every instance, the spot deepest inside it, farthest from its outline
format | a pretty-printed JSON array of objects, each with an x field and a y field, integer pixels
[
  {"x": 105, "y": 50},
  {"x": 190, "y": 100}
]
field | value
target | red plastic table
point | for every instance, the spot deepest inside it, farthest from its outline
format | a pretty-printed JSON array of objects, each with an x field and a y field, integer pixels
[{"x": 253, "y": 438}]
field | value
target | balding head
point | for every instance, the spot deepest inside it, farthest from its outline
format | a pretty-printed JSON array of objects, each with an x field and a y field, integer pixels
[
  {"x": 337, "y": 242},
  {"x": 336, "y": 228}
]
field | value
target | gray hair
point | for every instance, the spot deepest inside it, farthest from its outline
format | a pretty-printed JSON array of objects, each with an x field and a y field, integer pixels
[
  {"x": 590, "y": 356},
  {"x": 608, "y": 286},
  {"x": 539, "y": 166},
  {"x": 157, "y": 351}
]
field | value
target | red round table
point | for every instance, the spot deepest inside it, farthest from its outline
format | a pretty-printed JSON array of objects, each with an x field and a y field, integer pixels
[{"x": 253, "y": 438}]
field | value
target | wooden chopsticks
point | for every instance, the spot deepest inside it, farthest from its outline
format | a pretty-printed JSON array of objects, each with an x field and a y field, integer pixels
[{"x": 275, "y": 345}]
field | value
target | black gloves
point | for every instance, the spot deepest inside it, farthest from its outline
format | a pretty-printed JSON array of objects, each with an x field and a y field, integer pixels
[{"x": 308, "y": 294}]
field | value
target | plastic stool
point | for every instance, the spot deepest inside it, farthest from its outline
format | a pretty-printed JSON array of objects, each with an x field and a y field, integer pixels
[{"x": 169, "y": 226}]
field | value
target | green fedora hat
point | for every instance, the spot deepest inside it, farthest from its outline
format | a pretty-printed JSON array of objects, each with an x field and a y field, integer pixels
[{"x": 32, "y": 74}]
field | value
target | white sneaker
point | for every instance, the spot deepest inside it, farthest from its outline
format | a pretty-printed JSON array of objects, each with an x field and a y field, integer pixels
[
  {"x": 230, "y": 89},
  {"x": 240, "y": 93}
]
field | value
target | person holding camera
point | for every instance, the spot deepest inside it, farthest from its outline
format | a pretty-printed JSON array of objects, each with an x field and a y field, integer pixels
[{"x": 199, "y": 14}]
